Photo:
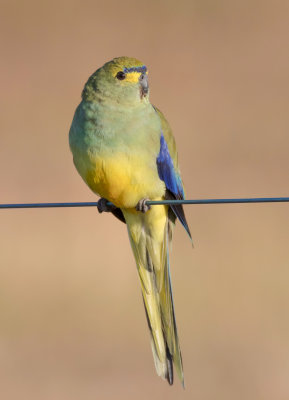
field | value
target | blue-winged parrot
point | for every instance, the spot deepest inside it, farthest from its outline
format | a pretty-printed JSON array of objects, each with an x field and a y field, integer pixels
[{"x": 124, "y": 149}]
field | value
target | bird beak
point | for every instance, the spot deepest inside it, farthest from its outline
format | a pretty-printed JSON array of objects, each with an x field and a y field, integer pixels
[{"x": 144, "y": 85}]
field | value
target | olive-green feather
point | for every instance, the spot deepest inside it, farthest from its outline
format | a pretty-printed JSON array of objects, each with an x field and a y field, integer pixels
[{"x": 115, "y": 140}]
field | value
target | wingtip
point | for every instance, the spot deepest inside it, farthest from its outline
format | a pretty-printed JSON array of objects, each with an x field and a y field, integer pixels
[
  {"x": 189, "y": 234},
  {"x": 192, "y": 243}
]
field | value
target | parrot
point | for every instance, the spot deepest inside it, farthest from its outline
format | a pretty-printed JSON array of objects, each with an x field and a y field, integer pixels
[{"x": 125, "y": 151}]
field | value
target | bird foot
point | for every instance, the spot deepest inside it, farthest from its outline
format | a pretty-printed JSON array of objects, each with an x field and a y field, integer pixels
[
  {"x": 142, "y": 206},
  {"x": 103, "y": 206}
]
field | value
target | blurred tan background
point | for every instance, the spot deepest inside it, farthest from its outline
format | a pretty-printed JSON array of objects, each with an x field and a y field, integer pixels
[{"x": 72, "y": 324}]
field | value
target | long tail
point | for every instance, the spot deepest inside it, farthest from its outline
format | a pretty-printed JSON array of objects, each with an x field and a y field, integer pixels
[{"x": 149, "y": 237}]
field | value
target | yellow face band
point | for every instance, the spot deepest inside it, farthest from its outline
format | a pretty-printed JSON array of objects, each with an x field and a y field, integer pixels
[{"x": 133, "y": 77}]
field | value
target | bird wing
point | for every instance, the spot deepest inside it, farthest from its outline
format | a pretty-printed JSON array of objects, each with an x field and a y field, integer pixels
[{"x": 168, "y": 170}]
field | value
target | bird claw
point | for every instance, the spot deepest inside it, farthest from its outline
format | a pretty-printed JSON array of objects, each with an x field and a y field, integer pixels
[
  {"x": 103, "y": 206},
  {"x": 142, "y": 206}
]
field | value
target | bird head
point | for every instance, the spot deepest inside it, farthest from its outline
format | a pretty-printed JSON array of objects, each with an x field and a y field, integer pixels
[{"x": 123, "y": 80}]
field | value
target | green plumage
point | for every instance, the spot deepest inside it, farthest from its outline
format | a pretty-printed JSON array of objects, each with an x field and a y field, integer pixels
[{"x": 115, "y": 141}]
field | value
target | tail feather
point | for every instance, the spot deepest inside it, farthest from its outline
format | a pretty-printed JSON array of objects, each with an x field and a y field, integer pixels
[
  {"x": 170, "y": 369},
  {"x": 152, "y": 259}
]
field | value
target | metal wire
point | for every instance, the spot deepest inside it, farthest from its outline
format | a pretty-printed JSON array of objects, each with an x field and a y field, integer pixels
[{"x": 152, "y": 203}]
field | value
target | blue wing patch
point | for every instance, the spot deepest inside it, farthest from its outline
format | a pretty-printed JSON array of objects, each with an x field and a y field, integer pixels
[
  {"x": 172, "y": 181},
  {"x": 167, "y": 172}
]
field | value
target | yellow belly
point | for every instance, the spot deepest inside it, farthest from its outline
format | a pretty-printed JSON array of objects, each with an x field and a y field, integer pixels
[{"x": 123, "y": 180}]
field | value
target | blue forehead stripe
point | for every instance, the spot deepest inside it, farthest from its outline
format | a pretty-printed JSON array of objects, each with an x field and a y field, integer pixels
[{"x": 141, "y": 69}]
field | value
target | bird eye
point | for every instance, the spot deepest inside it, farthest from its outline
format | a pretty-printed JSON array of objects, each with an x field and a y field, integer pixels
[{"x": 120, "y": 75}]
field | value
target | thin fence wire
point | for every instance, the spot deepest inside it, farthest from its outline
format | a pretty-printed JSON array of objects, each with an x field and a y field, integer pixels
[{"x": 151, "y": 203}]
